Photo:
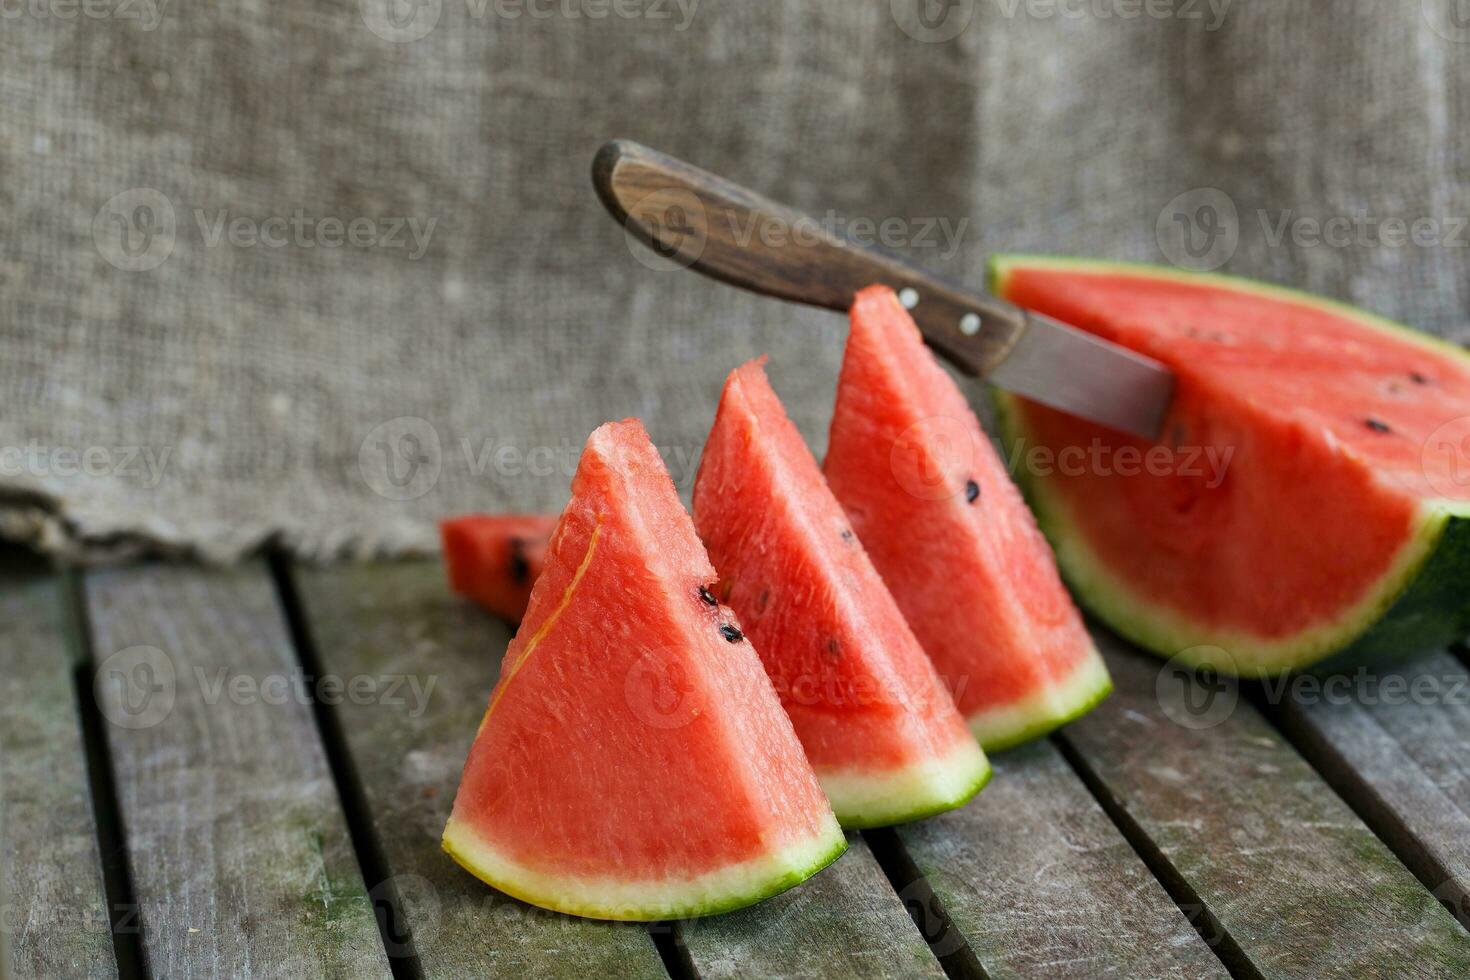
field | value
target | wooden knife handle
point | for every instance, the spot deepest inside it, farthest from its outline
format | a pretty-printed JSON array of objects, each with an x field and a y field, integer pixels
[{"x": 698, "y": 220}]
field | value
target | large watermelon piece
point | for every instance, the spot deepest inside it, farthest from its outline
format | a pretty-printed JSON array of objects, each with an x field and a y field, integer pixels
[
  {"x": 494, "y": 559},
  {"x": 952, "y": 537},
  {"x": 1307, "y": 503},
  {"x": 879, "y": 729},
  {"x": 634, "y": 762}
]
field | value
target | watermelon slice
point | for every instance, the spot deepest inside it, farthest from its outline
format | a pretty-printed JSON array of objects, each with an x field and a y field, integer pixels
[
  {"x": 1308, "y": 502},
  {"x": 494, "y": 559},
  {"x": 634, "y": 762},
  {"x": 879, "y": 729},
  {"x": 951, "y": 536}
]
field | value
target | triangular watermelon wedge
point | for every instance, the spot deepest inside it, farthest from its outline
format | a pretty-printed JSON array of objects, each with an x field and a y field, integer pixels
[
  {"x": 879, "y": 729},
  {"x": 950, "y": 534},
  {"x": 494, "y": 559},
  {"x": 634, "y": 762}
]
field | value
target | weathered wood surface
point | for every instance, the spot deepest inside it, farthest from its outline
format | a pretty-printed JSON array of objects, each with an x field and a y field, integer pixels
[
  {"x": 1396, "y": 745},
  {"x": 1294, "y": 881},
  {"x": 1042, "y": 884},
  {"x": 845, "y": 922},
  {"x": 241, "y": 859},
  {"x": 242, "y": 862},
  {"x": 399, "y": 620},
  {"x": 53, "y": 907}
]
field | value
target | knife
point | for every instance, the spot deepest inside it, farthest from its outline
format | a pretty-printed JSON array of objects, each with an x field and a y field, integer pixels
[{"x": 697, "y": 220}]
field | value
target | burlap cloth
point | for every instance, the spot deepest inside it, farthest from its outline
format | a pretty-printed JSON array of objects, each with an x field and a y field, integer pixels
[{"x": 218, "y": 327}]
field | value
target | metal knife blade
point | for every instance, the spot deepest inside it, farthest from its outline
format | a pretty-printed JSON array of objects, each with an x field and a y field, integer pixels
[{"x": 1078, "y": 373}]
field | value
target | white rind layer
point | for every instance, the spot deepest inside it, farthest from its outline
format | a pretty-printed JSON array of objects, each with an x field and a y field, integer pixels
[
  {"x": 1041, "y": 711},
  {"x": 910, "y": 792},
  {"x": 720, "y": 890}
]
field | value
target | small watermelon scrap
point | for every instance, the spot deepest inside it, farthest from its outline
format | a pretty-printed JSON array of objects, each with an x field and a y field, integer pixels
[
  {"x": 951, "y": 535},
  {"x": 634, "y": 762},
  {"x": 1312, "y": 506},
  {"x": 494, "y": 559},
  {"x": 879, "y": 729}
]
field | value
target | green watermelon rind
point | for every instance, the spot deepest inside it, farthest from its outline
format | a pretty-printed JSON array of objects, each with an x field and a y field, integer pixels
[
  {"x": 1419, "y": 605},
  {"x": 869, "y": 801},
  {"x": 761, "y": 878},
  {"x": 1089, "y": 685}
]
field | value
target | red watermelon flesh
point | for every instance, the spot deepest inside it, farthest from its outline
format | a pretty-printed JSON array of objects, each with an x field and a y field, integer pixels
[
  {"x": 494, "y": 559},
  {"x": 1315, "y": 459},
  {"x": 879, "y": 729},
  {"x": 634, "y": 762},
  {"x": 950, "y": 534}
]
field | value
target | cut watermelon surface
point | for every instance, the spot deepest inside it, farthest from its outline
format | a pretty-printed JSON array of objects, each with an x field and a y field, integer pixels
[
  {"x": 494, "y": 559},
  {"x": 878, "y": 728},
  {"x": 952, "y": 537},
  {"x": 1307, "y": 502},
  {"x": 634, "y": 761}
]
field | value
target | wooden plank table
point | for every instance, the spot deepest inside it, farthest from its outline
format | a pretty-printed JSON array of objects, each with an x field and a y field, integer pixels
[
  {"x": 52, "y": 903},
  {"x": 245, "y": 772}
]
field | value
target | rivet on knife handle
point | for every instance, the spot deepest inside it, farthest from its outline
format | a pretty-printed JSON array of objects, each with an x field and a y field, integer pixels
[{"x": 706, "y": 223}]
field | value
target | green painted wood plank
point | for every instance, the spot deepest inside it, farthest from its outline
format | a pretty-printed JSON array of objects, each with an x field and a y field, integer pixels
[
  {"x": 241, "y": 860},
  {"x": 1396, "y": 745},
  {"x": 400, "y": 621},
  {"x": 1299, "y": 886},
  {"x": 845, "y": 922},
  {"x": 53, "y": 906},
  {"x": 1042, "y": 883}
]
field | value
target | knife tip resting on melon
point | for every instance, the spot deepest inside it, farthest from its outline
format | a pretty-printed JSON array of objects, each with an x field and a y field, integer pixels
[{"x": 1311, "y": 507}]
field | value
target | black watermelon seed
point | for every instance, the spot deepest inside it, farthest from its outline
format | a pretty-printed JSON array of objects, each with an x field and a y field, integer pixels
[
  {"x": 972, "y": 492},
  {"x": 1377, "y": 426},
  {"x": 1418, "y": 378},
  {"x": 833, "y": 647},
  {"x": 731, "y": 633},
  {"x": 847, "y": 535},
  {"x": 708, "y": 596},
  {"x": 762, "y": 600},
  {"x": 520, "y": 569}
]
